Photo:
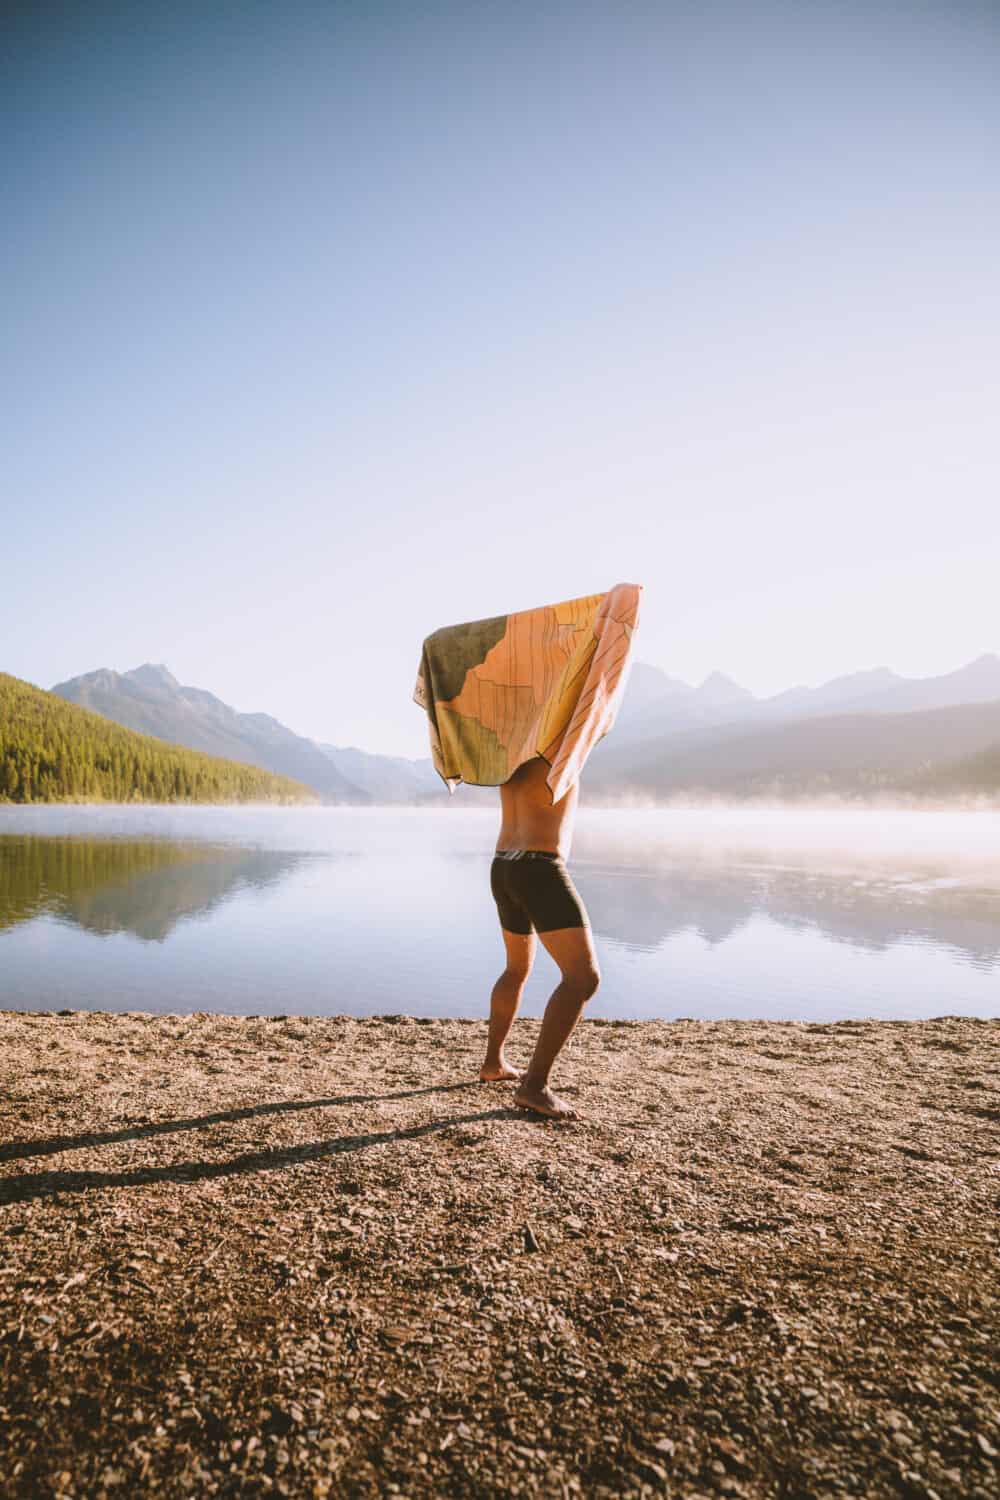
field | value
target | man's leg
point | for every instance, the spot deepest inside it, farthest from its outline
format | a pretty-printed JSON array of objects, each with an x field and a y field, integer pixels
[
  {"x": 504, "y": 1001},
  {"x": 573, "y": 950}
]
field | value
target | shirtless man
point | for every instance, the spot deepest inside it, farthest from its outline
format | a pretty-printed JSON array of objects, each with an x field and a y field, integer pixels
[{"x": 535, "y": 895}]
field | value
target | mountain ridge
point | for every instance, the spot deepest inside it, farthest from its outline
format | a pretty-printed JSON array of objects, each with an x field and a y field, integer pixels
[
  {"x": 150, "y": 700},
  {"x": 875, "y": 689},
  {"x": 851, "y": 753},
  {"x": 54, "y": 751},
  {"x": 670, "y": 734}
]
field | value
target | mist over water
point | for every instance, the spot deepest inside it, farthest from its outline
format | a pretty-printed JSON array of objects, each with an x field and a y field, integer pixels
[
  {"x": 889, "y": 841},
  {"x": 805, "y": 914}
]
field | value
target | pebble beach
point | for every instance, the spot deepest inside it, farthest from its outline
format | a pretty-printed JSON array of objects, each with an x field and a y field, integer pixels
[{"x": 316, "y": 1257}]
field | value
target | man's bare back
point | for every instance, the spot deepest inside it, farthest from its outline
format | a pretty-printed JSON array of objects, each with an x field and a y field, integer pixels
[{"x": 529, "y": 819}]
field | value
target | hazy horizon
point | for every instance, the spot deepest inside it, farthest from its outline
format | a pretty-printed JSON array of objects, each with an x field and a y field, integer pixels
[{"x": 329, "y": 326}]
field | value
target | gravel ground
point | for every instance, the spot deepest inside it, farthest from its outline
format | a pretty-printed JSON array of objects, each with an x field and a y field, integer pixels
[{"x": 317, "y": 1258}]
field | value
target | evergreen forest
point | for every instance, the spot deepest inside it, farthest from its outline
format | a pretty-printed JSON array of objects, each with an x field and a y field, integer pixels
[{"x": 53, "y": 751}]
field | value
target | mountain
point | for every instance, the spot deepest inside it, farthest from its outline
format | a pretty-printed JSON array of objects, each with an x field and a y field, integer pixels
[
  {"x": 843, "y": 754},
  {"x": 722, "y": 705},
  {"x": 386, "y": 778},
  {"x": 648, "y": 685},
  {"x": 54, "y": 751},
  {"x": 977, "y": 682},
  {"x": 150, "y": 700},
  {"x": 656, "y": 704},
  {"x": 721, "y": 691},
  {"x": 856, "y": 734},
  {"x": 838, "y": 692}
]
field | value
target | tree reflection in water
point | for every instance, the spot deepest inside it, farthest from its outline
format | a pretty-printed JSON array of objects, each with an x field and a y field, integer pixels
[{"x": 144, "y": 887}]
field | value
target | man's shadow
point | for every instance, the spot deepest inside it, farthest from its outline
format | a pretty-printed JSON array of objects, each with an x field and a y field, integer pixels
[
  {"x": 50, "y": 1145},
  {"x": 48, "y": 1184}
]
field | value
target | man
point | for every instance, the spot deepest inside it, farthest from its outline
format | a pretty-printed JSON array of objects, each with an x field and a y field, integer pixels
[
  {"x": 536, "y": 898},
  {"x": 519, "y": 701}
]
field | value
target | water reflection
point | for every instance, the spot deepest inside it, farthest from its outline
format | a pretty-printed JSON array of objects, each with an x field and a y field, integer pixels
[
  {"x": 325, "y": 911},
  {"x": 147, "y": 887},
  {"x": 121, "y": 885},
  {"x": 644, "y": 909}
]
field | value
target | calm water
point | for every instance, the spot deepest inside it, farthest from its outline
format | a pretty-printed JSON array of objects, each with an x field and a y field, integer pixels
[{"x": 331, "y": 911}]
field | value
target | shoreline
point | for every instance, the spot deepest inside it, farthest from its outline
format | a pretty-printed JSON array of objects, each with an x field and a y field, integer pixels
[
  {"x": 971, "y": 802},
  {"x": 315, "y": 1257}
]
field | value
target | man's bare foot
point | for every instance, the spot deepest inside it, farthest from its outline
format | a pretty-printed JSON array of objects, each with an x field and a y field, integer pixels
[
  {"x": 544, "y": 1102},
  {"x": 499, "y": 1073}
]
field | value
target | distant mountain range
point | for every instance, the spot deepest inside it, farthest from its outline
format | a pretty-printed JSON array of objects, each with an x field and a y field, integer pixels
[
  {"x": 867, "y": 734},
  {"x": 658, "y": 705},
  {"x": 54, "y": 751},
  {"x": 386, "y": 778},
  {"x": 150, "y": 699}
]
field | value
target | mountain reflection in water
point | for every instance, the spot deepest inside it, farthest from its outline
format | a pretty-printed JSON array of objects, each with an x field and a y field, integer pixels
[
  {"x": 122, "y": 885},
  {"x": 644, "y": 909},
  {"x": 334, "y": 911}
]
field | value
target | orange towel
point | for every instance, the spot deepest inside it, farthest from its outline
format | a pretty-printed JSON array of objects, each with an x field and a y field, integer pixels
[{"x": 543, "y": 682}]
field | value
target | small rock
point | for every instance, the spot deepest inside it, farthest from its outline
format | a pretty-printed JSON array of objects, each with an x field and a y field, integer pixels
[{"x": 395, "y": 1337}]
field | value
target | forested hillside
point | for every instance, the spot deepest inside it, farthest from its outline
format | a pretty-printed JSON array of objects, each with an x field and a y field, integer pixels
[
  {"x": 975, "y": 775},
  {"x": 52, "y": 751},
  {"x": 150, "y": 700}
]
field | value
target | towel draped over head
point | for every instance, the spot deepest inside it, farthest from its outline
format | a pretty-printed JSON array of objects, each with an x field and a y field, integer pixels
[{"x": 542, "y": 682}]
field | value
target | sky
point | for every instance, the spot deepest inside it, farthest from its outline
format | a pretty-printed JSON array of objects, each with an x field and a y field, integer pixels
[{"x": 326, "y": 325}]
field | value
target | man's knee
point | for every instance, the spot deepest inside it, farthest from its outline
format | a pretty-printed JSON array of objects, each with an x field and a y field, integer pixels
[
  {"x": 584, "y": 978},
  {"x": 517, "y": 973}
]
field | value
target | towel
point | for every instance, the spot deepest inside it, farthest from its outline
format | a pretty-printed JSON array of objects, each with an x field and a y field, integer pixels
[{"x": 543, "y": 682}]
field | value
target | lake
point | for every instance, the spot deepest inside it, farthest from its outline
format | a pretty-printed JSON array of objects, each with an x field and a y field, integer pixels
[{"x": 777, "y": 914}]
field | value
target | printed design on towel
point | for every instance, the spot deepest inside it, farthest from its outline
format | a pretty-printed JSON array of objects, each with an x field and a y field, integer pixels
[{"x": 544, "y": 681}]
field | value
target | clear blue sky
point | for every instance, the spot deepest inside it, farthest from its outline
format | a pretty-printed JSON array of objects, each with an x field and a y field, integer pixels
[{"x": 326, "y": 325}]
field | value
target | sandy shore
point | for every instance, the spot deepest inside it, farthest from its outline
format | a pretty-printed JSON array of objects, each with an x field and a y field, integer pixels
[{"x": 310, "y": 1258}]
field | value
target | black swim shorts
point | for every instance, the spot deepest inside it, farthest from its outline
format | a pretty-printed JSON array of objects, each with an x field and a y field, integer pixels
[{"x": 533, "y": 891}]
